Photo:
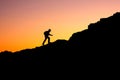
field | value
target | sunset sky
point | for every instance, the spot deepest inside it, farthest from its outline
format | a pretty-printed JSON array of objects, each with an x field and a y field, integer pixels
[{"x": 22, "y": 22}]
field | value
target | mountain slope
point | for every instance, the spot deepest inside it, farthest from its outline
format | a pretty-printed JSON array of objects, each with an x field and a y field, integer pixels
[
  {"x": 99, "y": 35},
  {"x": 97, "y": 45}
]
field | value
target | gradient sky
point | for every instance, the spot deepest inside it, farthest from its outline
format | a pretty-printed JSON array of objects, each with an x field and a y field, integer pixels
[{"x": 22, "y": 22}]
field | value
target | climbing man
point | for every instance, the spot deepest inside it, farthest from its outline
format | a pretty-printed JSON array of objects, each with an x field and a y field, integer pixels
[{"x": 46, "y": 35}]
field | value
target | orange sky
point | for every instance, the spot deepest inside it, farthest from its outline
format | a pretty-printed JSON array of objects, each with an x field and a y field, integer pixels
[{"x": 22, "y": 22}]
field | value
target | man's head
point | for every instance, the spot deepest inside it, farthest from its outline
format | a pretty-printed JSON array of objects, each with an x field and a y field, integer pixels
[{"x": 49, "y": 30}]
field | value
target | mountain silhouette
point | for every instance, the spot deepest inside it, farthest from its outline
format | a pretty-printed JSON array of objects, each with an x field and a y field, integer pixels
[{"x": 96, "y": 46}]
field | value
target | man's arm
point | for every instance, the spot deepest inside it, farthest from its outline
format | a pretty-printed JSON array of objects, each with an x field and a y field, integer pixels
[{"x": 50, "y": 34}]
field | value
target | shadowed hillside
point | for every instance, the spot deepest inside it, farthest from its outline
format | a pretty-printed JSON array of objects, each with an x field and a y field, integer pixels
[
  {"x": 101, "y": 36},
  {"x": 98, "y": 45}
]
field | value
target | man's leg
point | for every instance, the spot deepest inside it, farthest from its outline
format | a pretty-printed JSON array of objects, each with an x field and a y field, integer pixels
[
  {"x": 44, "y": 41},
  {"x": 48, "y": 40}
]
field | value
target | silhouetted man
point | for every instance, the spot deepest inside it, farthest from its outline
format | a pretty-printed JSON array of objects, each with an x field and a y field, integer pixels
[{"x": 46, "y": 35}]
